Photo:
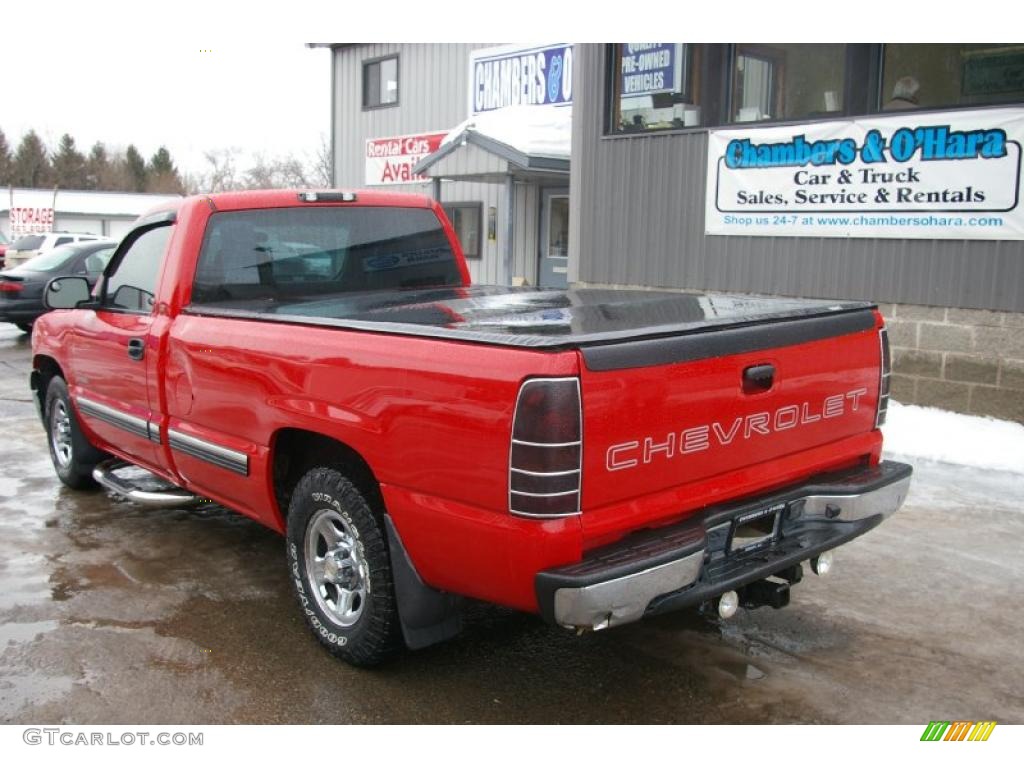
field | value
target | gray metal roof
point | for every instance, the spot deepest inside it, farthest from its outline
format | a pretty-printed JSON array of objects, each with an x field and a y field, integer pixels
[{"x": 493, "y": 162}]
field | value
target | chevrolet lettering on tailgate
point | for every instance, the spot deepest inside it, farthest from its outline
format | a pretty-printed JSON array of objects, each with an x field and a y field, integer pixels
[{"x": 705, "y": 436}]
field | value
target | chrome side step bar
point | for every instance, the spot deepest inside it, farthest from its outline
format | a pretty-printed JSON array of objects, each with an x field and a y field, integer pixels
[{"x": 104, "y": 474}]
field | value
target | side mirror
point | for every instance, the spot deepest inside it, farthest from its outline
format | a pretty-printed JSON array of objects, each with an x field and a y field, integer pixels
[{"x": 66, "y": 292}]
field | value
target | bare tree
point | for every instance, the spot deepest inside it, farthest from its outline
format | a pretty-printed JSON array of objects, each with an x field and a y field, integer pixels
[
  {"x": 220, "y": 176},
  {"x": 266, "y": 172},
  {"x": 292, "y": 173},
  {"x": 321, "y": 171},
  {"x": 282, "y": 172}
]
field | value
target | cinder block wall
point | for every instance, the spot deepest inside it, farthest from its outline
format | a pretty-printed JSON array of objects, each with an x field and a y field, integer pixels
[{"x": 964, "y": 360}]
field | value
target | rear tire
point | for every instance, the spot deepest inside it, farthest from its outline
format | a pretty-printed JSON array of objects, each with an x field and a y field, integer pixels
[
  {"x": 72, "y": 454},
  {"x": 26, "y": 327},
  {"x": 340, "y": 568}
]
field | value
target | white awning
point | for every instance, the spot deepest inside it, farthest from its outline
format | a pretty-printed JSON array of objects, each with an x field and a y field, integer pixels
[{"x": 523, "y": 142}]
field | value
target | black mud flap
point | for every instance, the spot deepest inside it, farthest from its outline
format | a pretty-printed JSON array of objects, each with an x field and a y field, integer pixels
[
  {"x": 38, "y": 396},
  {"x": 428, "y": 616}
]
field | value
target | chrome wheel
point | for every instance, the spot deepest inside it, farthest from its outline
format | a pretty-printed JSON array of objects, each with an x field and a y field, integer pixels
[
  {"x": 336, "y": 567},
  {"x": 60, "y": 433}
]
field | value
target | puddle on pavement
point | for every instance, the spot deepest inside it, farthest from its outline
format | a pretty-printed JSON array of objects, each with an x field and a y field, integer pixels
[
  {"x": 21, "y": 690},
  {"x": 14, "y": 633},
  {"x": 23, "y": 579},
  {"x": 9, "y": 485}
]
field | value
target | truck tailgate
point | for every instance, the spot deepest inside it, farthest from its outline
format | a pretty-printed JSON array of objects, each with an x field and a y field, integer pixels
[{"x": 681, "y": 412}]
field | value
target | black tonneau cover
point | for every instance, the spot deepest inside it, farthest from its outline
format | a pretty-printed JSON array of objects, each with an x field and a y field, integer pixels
[{"x": 605, "y": 323}]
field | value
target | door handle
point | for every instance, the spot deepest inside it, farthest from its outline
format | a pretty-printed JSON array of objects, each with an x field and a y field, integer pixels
[
  {"x": 758, "y": 378},
  {"x": 136, "y": 349}
]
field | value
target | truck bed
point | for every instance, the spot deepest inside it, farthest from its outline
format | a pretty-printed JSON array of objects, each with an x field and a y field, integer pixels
[{"x": 557, "y": 320}]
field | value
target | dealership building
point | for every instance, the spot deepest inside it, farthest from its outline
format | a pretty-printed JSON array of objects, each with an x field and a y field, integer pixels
[{"x": 889, "y": 173}]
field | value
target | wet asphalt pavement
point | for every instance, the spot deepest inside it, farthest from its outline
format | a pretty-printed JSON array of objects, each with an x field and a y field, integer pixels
[{"x": 113, "y": 614}]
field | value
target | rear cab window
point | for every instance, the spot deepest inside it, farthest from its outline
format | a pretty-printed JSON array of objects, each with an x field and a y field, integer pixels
[{"x": 296, "y": 254}]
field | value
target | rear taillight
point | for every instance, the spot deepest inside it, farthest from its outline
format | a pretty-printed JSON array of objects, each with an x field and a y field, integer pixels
[
  {"x": 8, "y": 286},
  {"x": 546, "y": 454},
  {"x": 885, "y": 369}
]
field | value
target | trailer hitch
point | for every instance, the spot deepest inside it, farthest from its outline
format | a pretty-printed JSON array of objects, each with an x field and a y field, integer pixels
[{"x": 773, "y": 591}]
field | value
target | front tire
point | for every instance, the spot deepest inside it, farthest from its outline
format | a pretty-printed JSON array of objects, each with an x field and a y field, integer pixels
[
  {"x": 340, "y": 569},
  {"x": 26, "y": 327},
  {"x": 73, "y": 456}
]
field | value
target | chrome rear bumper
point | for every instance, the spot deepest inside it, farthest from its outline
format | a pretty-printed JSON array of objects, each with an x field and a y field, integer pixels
[{"x": 683, "y": 565}]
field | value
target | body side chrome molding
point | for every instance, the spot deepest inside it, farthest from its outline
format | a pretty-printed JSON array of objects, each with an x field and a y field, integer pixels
[
  {"x": 126, "y": 421},
  {"x": 212, "y": 453}
]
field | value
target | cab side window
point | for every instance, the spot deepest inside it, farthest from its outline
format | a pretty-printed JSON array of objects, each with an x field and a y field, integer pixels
[{"x": 132, "y": 286}]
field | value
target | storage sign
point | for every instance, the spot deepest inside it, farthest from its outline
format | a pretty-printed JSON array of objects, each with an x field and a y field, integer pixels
[
  {"x": 952, "y": 175},
  {"x": 391, "y": 160},
  {"x": 512, "y": 76},
  {"x": 28, "y": 221}
]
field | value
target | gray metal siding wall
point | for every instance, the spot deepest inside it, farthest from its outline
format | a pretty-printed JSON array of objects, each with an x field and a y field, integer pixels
[
  {"x": 527, "y": 223},
  {"x": 637, "y": 212},
  {"x": 433, "y": 95}
]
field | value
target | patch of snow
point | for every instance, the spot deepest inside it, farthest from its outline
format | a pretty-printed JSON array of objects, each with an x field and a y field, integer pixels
[
  {"x": 541, "y": 131},
  {"x": 956, "y": 438}
]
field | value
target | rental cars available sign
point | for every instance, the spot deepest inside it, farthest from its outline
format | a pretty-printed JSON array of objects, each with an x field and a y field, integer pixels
[
  {"x": 950, "y": 175},
  {"x": 391, "y": 160}
]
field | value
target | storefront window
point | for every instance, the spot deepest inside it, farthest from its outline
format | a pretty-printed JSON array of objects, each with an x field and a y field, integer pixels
[
  {"x": 654, "y": 87},
  {"x": 665, "y": 86},
  {"x": 466, "y": 221},
  {"x": 923, "y": 76},
  {"x": 787, "y": 82}
]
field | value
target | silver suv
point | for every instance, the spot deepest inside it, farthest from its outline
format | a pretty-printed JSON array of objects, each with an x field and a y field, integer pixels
[{"x": 27, "y": 246}]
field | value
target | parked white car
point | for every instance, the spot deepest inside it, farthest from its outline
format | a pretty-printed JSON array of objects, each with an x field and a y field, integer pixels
[{"x": 27, "y": 246}]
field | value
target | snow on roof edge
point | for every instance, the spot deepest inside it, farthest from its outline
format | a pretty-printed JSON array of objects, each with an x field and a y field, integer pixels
[{"x": 537, "y": 131}]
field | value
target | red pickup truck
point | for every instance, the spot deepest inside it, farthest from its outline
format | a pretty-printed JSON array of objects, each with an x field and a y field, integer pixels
[{"x": 319, "y": 362}]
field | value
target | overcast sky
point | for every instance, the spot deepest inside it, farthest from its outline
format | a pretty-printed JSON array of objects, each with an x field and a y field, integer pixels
[
  {"x": 197, "y": 75},
  {"x": 264, "y": 97}
]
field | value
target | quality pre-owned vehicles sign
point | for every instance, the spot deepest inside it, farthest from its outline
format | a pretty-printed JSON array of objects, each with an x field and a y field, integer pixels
[
  {"x": 953, "y": 175},
  {"x": 649, "y": 68},
  {"x": 391, "y": 160}
]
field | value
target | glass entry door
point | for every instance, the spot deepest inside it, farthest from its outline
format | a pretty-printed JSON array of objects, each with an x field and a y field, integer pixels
[{"x": 553, "y": 269}]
